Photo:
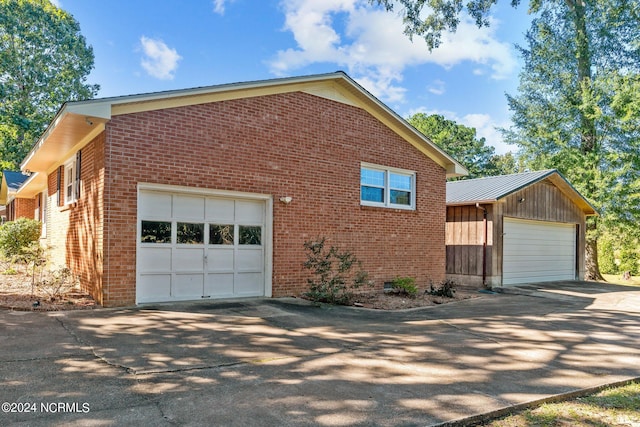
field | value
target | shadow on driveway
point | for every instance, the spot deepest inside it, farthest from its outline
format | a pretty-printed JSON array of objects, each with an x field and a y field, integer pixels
[{"x": 287, "y": 362}]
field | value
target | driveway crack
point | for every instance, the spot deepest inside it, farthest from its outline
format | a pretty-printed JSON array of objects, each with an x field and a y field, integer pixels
[{"x": 92, "y": 350}]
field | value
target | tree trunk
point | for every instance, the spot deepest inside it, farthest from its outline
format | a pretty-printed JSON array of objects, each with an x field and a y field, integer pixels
[
  {"x": 592, "y": 269},
  {"x": 589, "y": 137}
]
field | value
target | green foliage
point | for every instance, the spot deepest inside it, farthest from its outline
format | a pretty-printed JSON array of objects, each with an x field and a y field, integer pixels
[
  {"x": 44, "y": 62},
  {"x": 446, "y": 288},
  {"x": 333, "y": 280},
  {"x": 17, "y": 238},
  {"x": 405, "y": 285},
  {"x": 429, "y": 19},
  {"x": 463, "y": 145},
  {"x": 619, "y": 251}
]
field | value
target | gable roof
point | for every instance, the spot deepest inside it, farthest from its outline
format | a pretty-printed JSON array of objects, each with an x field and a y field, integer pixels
[
  {"x": 11, "y": 182},
  {"x": 77, "y": 123},
  {"x": 492, "y": 189}
]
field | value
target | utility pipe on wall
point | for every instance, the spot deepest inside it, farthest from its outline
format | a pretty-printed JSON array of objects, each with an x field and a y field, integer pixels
[{"x": 484, "y": 244}]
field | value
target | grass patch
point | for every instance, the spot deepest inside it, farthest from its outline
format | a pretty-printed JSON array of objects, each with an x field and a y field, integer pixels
[
  {"x": 617, "y": 406},
  {"x": 617, "y": 279}
]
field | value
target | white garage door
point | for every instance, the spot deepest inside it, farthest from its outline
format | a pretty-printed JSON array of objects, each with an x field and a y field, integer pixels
[
  {"x": 192, "y": 247},
  {"x": 538, "y": 251}
]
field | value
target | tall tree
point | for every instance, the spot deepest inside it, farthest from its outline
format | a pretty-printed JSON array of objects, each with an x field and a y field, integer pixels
[
  {"x": 44, "y": 62},
  {"x": 565, "y": 114},
  {"x": 461, "y": 142}
]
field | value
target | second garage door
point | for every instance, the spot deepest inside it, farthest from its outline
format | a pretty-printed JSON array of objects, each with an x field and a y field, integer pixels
[
  {"x": 193, "y": 247},
  {"x": 538, "y": 251}
]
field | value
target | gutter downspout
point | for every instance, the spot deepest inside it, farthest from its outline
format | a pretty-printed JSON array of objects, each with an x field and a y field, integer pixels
[{"x": 484, "y": 244}]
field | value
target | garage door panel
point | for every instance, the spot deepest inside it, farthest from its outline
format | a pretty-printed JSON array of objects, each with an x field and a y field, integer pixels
[
  {"x": 249, "y": 260},
  {"x": 249, "y": 212},
  {"x": 187, "y": 286},
  {"x": 221, "y": 210},
  {"x": 154, "y": 287},
  {"x": 221, "y": 260},
  {"x": 155, "y": 205},
  {"x": 188, "y": 259},
  {"x": 248, "y": 284},
  {"x": 188, "y": 207},
  {"x": 155, "y": 259},
  {"x": 219, "y": 285},
  {"x": 537, "y": 251}
]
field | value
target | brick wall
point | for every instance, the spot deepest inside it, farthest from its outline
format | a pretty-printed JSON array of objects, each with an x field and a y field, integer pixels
[
  {"x": 21, "y": 208},
  {"x": 74, "y": 231},
  {"x": 297, "y": 145}
]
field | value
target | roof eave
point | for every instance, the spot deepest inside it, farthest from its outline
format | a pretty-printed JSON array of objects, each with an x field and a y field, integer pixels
[
  {"x": 73, "y": 124},
  {"x": 473, "y": 202},
  {"x": 77, "y": 122}
]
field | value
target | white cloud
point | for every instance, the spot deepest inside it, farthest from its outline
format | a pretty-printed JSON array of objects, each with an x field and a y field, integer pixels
[
  {"x": 56, "y": 3},
  {"x": 218, "y": 6},
  {"x": 437, "y": 87},
  {"x": 370, "y": 44},
  {"x": 486, "y": 127},
  {"x": 159, "y": 60}
]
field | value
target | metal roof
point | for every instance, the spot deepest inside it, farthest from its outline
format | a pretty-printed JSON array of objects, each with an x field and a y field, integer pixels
[
  {"x": 493, "y": 188},
  {"x": 14, "y": 179}
]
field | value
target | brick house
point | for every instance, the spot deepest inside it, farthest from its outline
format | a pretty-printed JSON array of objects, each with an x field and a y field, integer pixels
[
  {"x": 211, "y": 192},
  {"x": 12, "y": 207}
]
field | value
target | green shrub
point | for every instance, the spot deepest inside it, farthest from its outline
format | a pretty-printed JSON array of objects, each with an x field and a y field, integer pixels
[
  {"x": 17, "y": 236},
  {"x": 405, "y": 285},
  {"x": 333, "y": 281}
]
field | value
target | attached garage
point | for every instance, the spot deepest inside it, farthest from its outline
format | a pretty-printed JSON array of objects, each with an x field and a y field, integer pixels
[
  {"x": 514, "y": 229},
  {"x": 201, "y": 245},
  {"x": 212, "y": 192}
]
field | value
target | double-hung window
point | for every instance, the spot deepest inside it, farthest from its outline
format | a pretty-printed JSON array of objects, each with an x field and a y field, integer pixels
[
  {"x": 387, "y": 187},
  {"x": 71, "y": 189}
]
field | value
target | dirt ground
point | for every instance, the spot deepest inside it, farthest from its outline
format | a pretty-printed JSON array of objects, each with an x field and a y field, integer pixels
[
  {"x": 391, "y": 301},
  {"x": 17, "y": 293}
]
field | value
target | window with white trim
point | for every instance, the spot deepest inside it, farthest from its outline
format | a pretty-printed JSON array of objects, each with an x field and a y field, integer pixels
[
  {"x": 71, "y": 187},
  {"x": 69, "y": 182},
  {"x": 387, "y": 187}
]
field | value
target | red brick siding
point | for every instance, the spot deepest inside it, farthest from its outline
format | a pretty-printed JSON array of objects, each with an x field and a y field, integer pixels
[
  {"x": 75, "y": 231},
  {"x": 21, "y": 208},
  {"x": 297, "y": 145}
]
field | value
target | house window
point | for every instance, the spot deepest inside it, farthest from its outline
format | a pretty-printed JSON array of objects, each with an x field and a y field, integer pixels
[
  {"x": 40, "y": 213},
  {"x": 72, "y": 179},
  {"x": 387, "y": 187}
]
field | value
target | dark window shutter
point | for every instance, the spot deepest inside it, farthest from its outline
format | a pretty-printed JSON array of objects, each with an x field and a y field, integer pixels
[
  {"x": 78, "y": 168},
  {"x": 59, "y": 185}
]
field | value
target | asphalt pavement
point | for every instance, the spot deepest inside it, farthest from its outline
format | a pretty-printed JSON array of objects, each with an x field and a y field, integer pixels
[{"x": 286, "y": 362}]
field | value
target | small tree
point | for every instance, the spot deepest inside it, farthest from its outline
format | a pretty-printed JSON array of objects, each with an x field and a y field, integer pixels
[{"x": 333, "y": 280}]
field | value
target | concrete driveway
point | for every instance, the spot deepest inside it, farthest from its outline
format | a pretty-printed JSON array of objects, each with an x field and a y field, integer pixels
[{"x": 284, "y": 362}]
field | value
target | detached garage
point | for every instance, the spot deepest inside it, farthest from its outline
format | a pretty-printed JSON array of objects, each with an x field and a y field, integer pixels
[{"x": 514, "y": 229}]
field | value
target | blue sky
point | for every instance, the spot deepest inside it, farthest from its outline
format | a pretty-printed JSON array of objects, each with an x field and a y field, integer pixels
[{"x": 154, "y": 45}]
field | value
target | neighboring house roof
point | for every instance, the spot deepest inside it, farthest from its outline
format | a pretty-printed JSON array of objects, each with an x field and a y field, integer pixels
[
  {"x": 77, "y": 123},
  {"x": 11, "y": 182},
  {"x": 492, "y": 189}
]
